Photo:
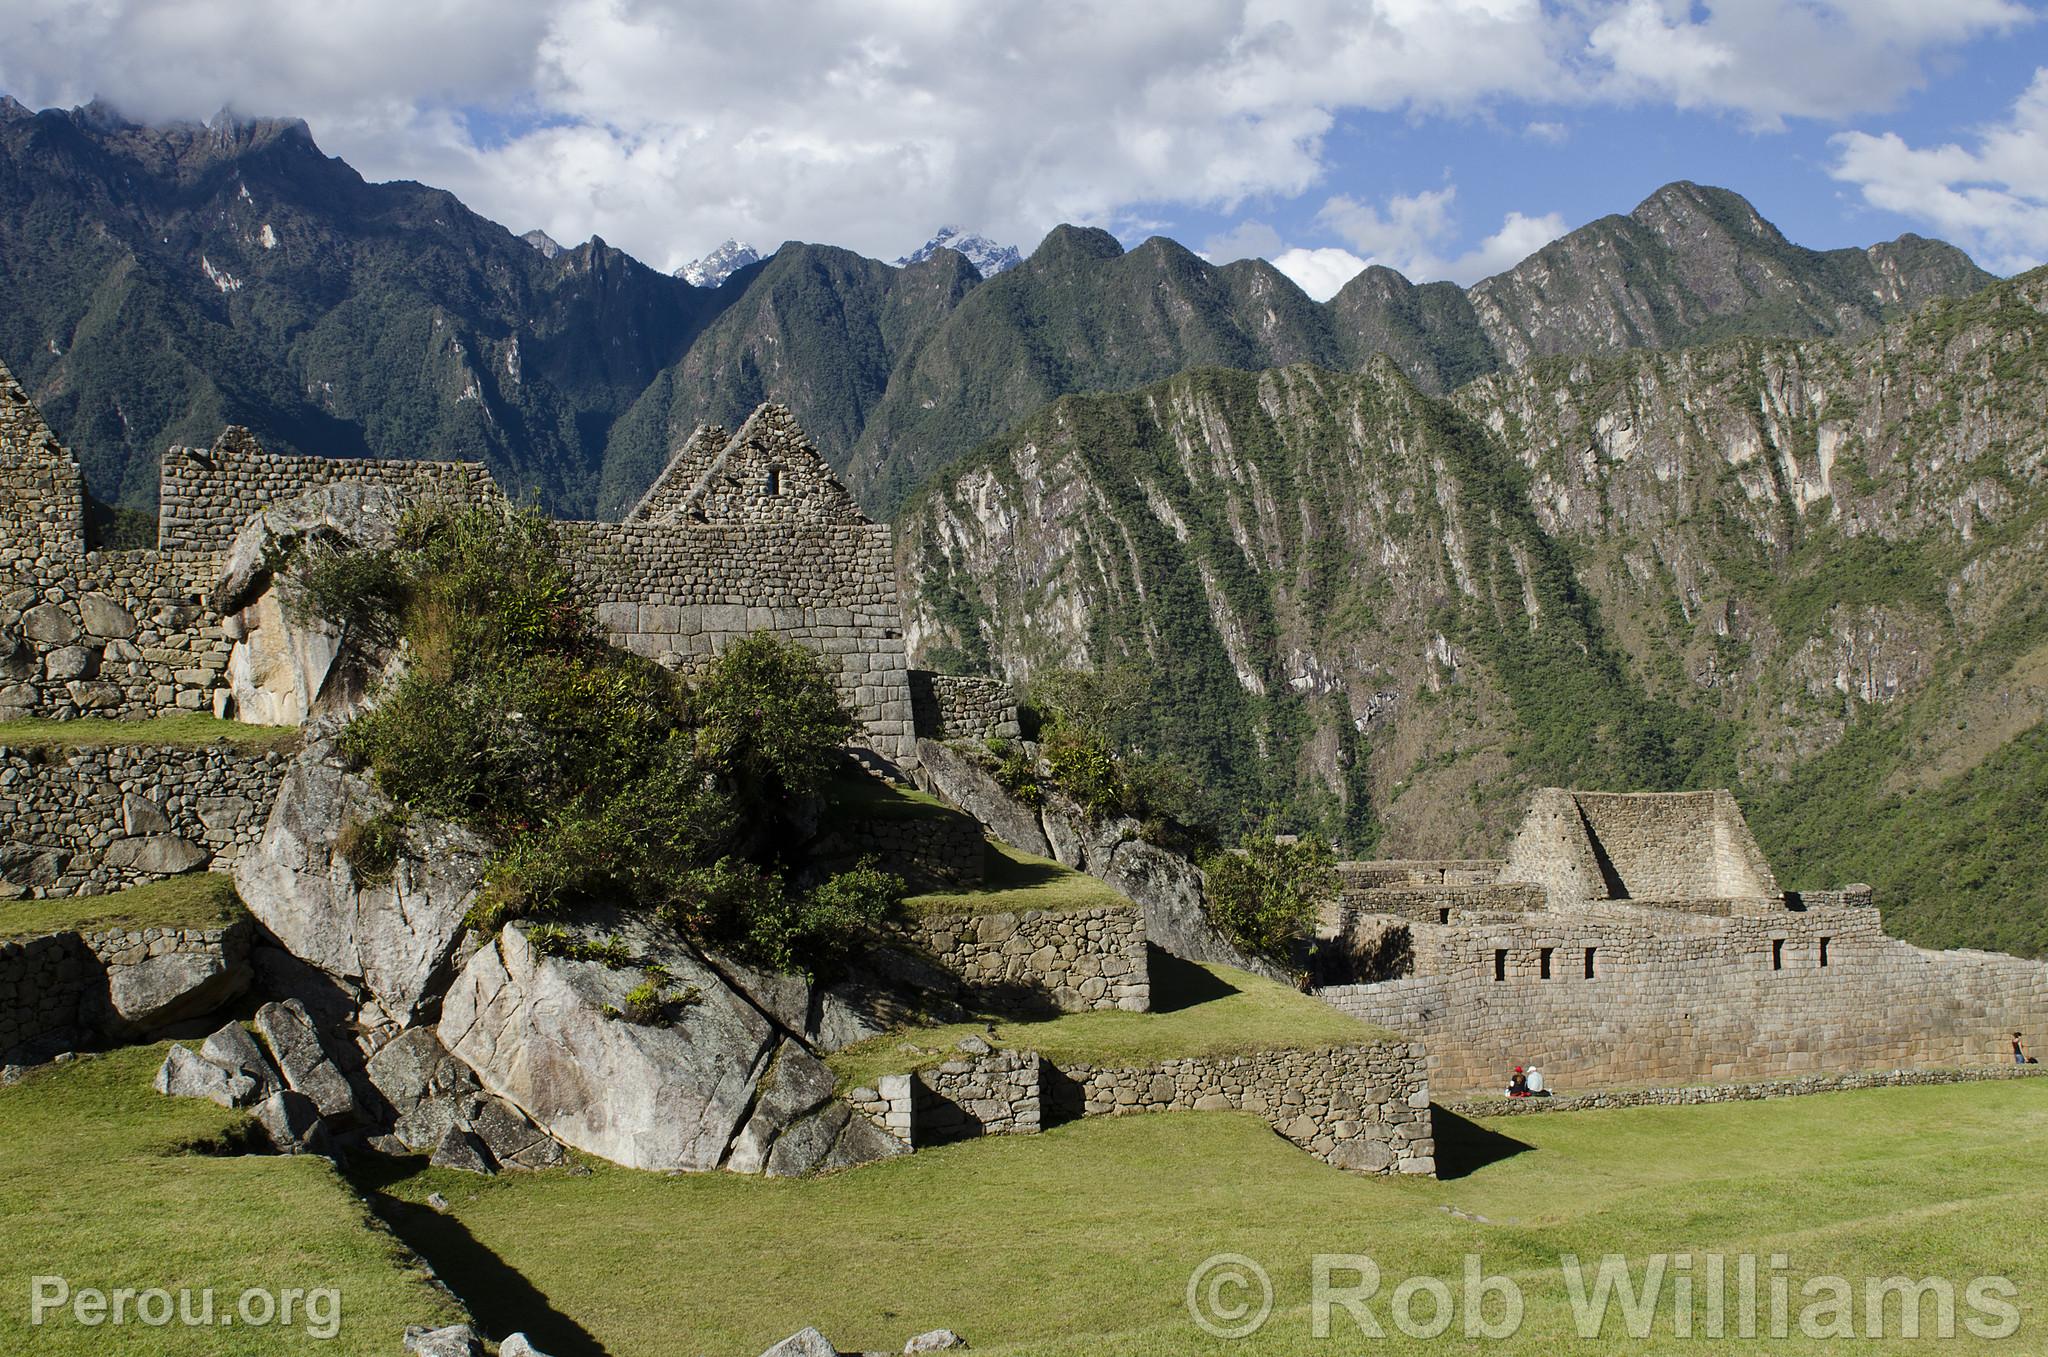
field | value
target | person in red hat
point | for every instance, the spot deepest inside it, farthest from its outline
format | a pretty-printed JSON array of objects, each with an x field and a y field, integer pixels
[{"x": 1518, "y": 1087}]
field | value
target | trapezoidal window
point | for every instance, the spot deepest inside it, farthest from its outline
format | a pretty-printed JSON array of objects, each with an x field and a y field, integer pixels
[
  {"x": 1824, "y": 951},
  {"x": 1543, "y": 961},
  {"x": 1443, "y": 916},
  {"x": 1500, "y": 965},
  {"x": 1777, "y": 954},
  {"x": 1589, "y": 961},
  {"x": 774, "y": 486}
]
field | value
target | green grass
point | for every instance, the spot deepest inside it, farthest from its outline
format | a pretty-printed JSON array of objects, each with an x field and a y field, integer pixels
[
  {"x": 1015, "y": 882},
  {"x": 202, "y": 900},
  {"x": 97, "y": 1186},
  {"x": 1200, "y": 1011},
  {"x": 869, "y": 798},
  {"x": 182, "y": 731},
  {"x": 1080, "y": 1241}
]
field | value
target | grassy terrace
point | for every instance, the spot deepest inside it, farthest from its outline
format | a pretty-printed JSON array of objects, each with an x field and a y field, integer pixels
[
  {"x": 1080, "y": 1241},
  {"x": 184, "y": 732},
  {"x": 100, "y": 1184},
  {"x": 1016, "y": 881},
  {"x": 203, "y": 900},
  {"x": 1199, "y": 1011}
]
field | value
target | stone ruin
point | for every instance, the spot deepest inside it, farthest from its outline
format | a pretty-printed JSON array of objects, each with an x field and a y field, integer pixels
[{"x": 1642, "y": 938}]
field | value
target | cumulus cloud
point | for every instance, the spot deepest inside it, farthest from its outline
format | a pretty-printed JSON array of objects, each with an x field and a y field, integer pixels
[
  {"x": 670, "y": 124},
  {"x": 1411, "y": 233},
  {"x": 1767, "y": 60},
  {"x": 1991, "y": 199},
  {"x": 1321, "y": 272}
]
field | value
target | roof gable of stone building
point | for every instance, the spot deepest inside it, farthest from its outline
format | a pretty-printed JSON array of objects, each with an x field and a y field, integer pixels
[
  {"x": 664, "y": 499},
  {"x": 768, "y": 472},
  {"x": 42, "y": 491}
]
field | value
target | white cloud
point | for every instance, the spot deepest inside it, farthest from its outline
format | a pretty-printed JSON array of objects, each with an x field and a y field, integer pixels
[
  {"x": 1556, "y": 133},
  {"x": 1246, "y": 240},
  {"x": 1992, "y": 200},
  {"x": 1411, "y": 233},
  {"x": 1768, "y": 60},
  {"x": 1321, "y": 273},
  {"x": 669, "y": 124}
]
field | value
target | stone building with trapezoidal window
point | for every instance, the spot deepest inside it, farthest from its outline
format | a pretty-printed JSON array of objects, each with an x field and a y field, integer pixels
[{"x": 1642, "y": 938}]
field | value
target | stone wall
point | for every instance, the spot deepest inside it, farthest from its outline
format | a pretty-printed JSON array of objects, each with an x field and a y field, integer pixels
[
  {"x": 206, "y": 495},
  {"x": 947, "y": 707},
  {"x": 1433, "y": 904},
  {"x": 42, "y": 493},
  {"x": 1364, "y": 1108},
  {"x": 1697, "y": 1094},
  {"x": 930, "y": 852},
  {"x": 116, "y": 634},
  {"x": 61, "y": 991},
  {"x": 43, "y": 987},
  {"x": 1078, "y": 959},
  {"x": 1662, "y": 847},
  {"x": 1676, "y": 997},
  {"x": 1398, "y": 872},
  {"x": 681, "y": 594},
  {"x": 768, "y": 472},
  {"x": 89, "y": 821}
]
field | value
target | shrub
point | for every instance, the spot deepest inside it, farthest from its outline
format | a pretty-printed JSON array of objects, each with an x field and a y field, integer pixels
[
  {"x": 1265, "y": 894},
  {"x": 1016, "y": 771},
  {"x": 598, "y": 774},
  {"x": 373, "y": 847}
]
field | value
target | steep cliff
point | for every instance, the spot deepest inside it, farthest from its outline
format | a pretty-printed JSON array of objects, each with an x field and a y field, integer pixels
[{"x": 1811, "y": 569}]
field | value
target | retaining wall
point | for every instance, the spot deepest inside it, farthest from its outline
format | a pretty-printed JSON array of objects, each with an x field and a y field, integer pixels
[
  {"x": 930, "y": 852},
  {"x": 1737, "y": 1093},
  {"x": 1078, "y": 960},
  {"x": 60, "y": 991},
  {"x": 109, "y": 634},
  {"x": 89, "y": 821},
  {"x": 1362, "y": 1108},
  {"x": 1675, "y": 997},
  {"x": 948, "y": 707}
]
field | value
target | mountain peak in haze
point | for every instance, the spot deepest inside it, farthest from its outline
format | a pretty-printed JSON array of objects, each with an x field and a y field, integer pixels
[
  {"x": 721, "y": 264},
  {"x": 988, "y": 258},
  {"x": 548, "y": 246}
]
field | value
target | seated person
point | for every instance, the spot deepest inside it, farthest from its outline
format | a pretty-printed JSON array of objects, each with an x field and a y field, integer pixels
[{"x": 1518, "y": 1087}]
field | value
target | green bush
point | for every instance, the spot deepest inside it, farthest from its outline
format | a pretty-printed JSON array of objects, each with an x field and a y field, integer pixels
[
  {"x": 1266, "y": 894},
  {"x": 601, "y": 777},
  {"x": 373, "y": 847}
]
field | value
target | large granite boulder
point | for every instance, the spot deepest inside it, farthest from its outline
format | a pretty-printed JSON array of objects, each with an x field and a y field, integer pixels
[
  {"x": 286, "y": 669},
  {"x": 394, "y": 938},
  {"x": 716, "y": 1083},
  {"x": 431, "y": 1095},
  {"x": 308, "y": 1067},
  {"x": 156, "y": 978}
]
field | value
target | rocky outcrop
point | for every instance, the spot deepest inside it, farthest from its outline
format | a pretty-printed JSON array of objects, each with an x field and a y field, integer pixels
[
  {"x": 715, "y": 1082},
  {"x": 286, "y": 668},
  {"x": 1164, "y": 884},
  {"x": 437, "y": 1107},
  {"x": 394, "y": 937},
  {"x": 157, "y": 977}
]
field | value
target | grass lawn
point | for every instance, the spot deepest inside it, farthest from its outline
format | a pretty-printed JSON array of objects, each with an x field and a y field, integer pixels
[
  {"x": 97, "y": 1187},
  {"x": 870, "y": 798},
  {"x": 1016, "y": 881},
  {"x": 182, "y": 731},
  {"x": 1080, "y": 1242},
  {"x": 201, "y": 900},
  {"x": 1200, "y": 1010}
]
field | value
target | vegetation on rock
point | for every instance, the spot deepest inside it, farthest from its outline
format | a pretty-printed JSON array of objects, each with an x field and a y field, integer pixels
[
  {"x": 1265, "y": 893},
  {"x": 602, "y": 777}
]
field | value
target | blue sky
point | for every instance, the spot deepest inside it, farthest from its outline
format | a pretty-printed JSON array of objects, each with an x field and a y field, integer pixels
[{"x": 1446, "y": 138}]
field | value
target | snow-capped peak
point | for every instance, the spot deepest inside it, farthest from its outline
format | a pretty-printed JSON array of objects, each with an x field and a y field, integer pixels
[
  {"x": 988, "y": 258},
  {"x": 714, "y": 268}
]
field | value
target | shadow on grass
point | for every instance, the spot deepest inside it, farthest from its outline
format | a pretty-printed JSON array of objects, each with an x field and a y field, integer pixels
[
  {"x": 502, "y": 1300},
  {"x": 1464, "y": 1146},
  {"x": 1178, "y": 984}
]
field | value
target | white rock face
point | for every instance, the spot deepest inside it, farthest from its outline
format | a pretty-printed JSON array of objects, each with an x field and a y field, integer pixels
[
  {"x": 279, "y": 668},
  {"x": 395, "y": 938},
  {"x": 718, "y": 1086}
]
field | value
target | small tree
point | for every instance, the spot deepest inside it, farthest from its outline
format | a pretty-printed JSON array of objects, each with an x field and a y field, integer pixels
[
  {"x": 1266, "y": 893},
  {"x": 767, "y": 710}
]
